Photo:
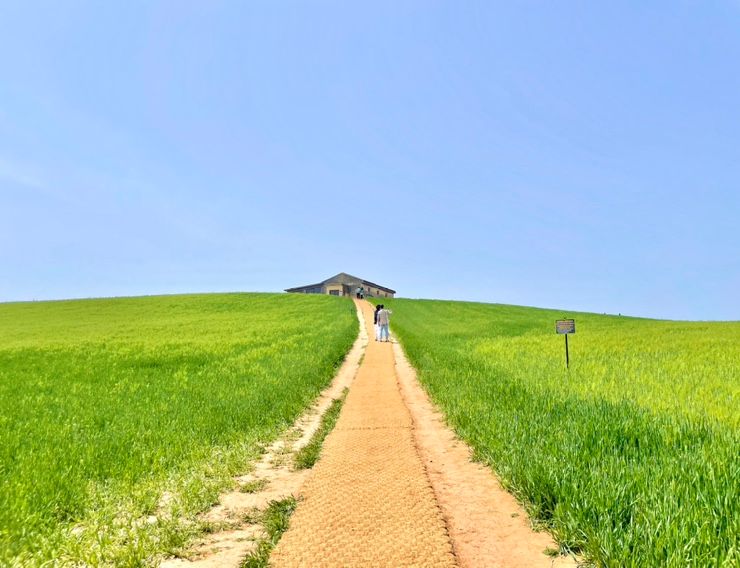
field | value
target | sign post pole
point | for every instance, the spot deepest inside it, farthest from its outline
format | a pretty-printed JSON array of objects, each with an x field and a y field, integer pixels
[{"x": 565, "y": 327}]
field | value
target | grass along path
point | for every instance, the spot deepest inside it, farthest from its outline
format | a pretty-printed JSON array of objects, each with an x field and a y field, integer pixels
[
  {"x": 307, "y": 456},
  {"x": 120, "y": 419},
  {"x": 240, "y": 517},
  {"x": 275, "y": 520}
]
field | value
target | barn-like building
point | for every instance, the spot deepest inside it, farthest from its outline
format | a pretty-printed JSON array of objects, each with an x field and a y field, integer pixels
[{"x": 344, "y": 284}]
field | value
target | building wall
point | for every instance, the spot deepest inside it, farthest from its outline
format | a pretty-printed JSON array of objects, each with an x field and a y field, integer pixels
[
  {"x": 309, "y": 290},
  {"x": 376, "y": 293},
  {"x": 340, "y": 289},
  {"x": 333, "y": 289}
]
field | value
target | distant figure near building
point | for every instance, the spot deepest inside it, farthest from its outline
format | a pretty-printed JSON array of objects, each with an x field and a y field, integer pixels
[{"x": 344, "y": 284}]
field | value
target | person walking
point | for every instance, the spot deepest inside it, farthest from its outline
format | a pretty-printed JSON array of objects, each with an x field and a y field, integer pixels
[
  {"x": 375, "y": 321},
  {"x": 384, "y": 320}
]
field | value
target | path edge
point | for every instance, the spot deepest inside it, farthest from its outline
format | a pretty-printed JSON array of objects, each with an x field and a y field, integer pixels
[
  {"x": 485, "y": 523},
  {"x": 230, "y": 547}
]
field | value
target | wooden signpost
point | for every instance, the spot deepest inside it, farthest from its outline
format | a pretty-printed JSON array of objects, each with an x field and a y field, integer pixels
[{"x": 565, "y": 327}]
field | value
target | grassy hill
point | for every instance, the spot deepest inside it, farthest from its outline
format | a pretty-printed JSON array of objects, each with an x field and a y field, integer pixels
[
  {"x": 631, "y": 457},
  {"x": 120, "y": 419},
  {"x": 113, "y": 410}
]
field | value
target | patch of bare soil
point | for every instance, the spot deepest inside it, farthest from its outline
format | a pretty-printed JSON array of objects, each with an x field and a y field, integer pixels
[
  {"x": 487, "y": 526},
  {"x": 235, "y": 518}
]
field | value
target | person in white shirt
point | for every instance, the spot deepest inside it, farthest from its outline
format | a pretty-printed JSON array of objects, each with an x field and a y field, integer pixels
[
  {"x": 384, "y": 320},
  {"x": 375, "y": 321}
]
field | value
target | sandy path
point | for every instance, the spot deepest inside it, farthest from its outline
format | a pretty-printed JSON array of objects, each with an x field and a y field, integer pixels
[{"x": 369, "y": 501}]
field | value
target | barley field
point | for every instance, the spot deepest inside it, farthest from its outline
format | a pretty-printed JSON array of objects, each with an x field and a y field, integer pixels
[
  {"x": 120, "y": 419},
  {"x": 631, "y": 457}
]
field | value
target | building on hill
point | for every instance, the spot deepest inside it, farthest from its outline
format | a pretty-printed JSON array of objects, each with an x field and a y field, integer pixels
[{"x": 344, "y": 284}]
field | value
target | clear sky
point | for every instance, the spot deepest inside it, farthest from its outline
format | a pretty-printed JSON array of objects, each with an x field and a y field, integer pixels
[{"x": 576, "y": 155}]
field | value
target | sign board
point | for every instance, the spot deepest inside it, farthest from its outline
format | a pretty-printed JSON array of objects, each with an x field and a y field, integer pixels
[{"x": 565, "y": 326}]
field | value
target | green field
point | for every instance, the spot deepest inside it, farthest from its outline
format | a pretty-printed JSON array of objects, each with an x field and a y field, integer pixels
[
  {"x": 631, "y": 458},
  {"x": 120, "y": 419}
]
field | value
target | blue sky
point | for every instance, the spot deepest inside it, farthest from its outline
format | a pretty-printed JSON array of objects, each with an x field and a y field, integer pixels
[{"x": 575, "y": 155}]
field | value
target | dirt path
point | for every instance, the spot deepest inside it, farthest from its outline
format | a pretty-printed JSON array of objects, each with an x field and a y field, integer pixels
[
  {"x": 368, "y": 501},
  {"x": 394, "y": 487}
]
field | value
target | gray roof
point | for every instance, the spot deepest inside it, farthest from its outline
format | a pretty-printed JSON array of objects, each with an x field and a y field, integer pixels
[
  {"x": 344, "y": 278},
  {"x": 319, "y": 285}
]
